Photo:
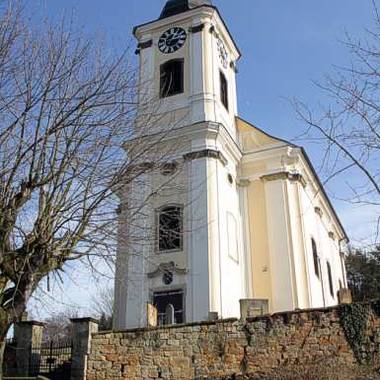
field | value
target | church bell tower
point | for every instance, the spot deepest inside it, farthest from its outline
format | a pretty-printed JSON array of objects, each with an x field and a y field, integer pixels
[{"x": 188, "y": 62}]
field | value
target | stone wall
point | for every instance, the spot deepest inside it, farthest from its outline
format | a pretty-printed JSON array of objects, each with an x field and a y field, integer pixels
[
  {"x": 26, "y": 356},
  {"x": 229, "y": 348}
]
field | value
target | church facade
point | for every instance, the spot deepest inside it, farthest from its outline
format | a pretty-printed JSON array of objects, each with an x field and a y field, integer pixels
[{"x": 233, "y": 213}]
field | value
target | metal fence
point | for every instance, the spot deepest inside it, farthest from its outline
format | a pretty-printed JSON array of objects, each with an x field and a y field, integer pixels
[
  {"x": 52, "y": 359},
  {"x": 10, "y": 358}
]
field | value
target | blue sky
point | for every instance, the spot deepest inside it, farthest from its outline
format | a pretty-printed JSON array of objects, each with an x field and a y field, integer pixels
[{"x": 285, "y": 45}]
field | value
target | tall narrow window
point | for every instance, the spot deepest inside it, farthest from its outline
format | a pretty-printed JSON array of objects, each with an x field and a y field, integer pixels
[
  {"x": 315, "y": 257},
  {"x": 343, "y": 265},
  {"x": 233, "y": 249},
  {"x": 171, "y": 78},
  {"x": 224, "y": 90},
  {"x": 329, "y": 273},
  {"x": 170, "y": 229}
]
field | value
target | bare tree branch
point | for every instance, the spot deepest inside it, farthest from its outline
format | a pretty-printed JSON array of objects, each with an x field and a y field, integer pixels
[
  {"x": 67, "y": 108},
  {"x": 349, "y": 130}
]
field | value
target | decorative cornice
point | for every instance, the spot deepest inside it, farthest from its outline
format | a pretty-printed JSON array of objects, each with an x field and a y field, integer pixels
[
  {"x": 275, "y": 176},
  {"x": 84, "y": 320},
  {"x": 197, "y": 29},
  {"x": 244, "y": 183},
  {"x": 143, "y": 167},
  {"x": 318, "y": 211},
  {"x": 165, "y": 268},
  {"x": 143, "y": 45},
  {"x": 30, "y": 323},
  {"x": 331, "y": 235},
  {"x": 209, "y": 153},
  {"x": 234, "y": 67},
  {"x": 205, "y": 130},
  {"x": 201, "y": 12},
  {"x": 295, "y": 177}
]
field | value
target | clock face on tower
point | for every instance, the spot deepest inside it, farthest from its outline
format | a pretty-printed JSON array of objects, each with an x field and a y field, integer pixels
[
  {"x": 223, "y": 55},
  {"x": 172, "y": 40}
]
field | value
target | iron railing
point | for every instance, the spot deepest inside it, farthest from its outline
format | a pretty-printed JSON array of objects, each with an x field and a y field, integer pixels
[{"x": 53, "y": 359}]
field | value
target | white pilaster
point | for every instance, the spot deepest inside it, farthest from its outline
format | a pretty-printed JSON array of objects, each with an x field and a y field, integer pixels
[
  {"x": 198, "y": 301},
  {"x": 279, "y": 246},
  {"x": 197, "y": 69},
  {"x": 299, "y": 246},
  {"x": 214, "y": 237},
  {"x": 246, "y": 241},
  {"x": 138, "y": 247}
]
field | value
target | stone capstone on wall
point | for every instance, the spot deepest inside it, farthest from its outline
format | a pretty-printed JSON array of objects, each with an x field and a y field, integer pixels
[{"x": 233, "y": 348}]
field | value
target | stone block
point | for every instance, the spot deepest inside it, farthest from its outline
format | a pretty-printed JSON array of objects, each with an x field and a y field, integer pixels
[
  {"x": 83, "y": 330},
  {"x": 345, "y": 296},
  {"x": 253, "y": 308},
  {"x": 28, "y": 335}
]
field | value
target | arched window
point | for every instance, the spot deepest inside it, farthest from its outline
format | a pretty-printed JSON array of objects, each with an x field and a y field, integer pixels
[
  {"x": 171, "y": 78},
  {"x": 223, "y": 90},
  {"x": 170, "y": 236},
  {"x": 329, "y": 273},
  {"x": 169, "y": 314},
  {"x": 315, "y": 257}
]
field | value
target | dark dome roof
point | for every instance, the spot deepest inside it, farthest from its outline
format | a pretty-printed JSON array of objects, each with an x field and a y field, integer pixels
[{"x": 173, "y": 7}]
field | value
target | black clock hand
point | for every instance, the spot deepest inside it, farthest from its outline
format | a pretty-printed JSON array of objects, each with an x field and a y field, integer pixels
[{"x": 173, "y": 40}]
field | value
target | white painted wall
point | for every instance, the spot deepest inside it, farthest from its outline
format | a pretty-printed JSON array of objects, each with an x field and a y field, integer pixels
[
  {"x": 231, "y": 263},
  {"x": 291, "y": 223},
  {"x": 201, "y": 98},
  {"x": 281, "y": 266},
  {"x": 217, "y": 250},
  {"x": 318, "y": 227}
]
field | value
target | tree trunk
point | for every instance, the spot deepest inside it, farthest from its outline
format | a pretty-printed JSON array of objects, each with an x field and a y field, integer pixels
[
  {"x": 2, "y": 349},
  {"x": 4, "y": 328}
]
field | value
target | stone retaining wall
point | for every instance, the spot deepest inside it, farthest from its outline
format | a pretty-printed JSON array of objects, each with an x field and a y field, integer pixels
[{"x": 230, "y": 348}]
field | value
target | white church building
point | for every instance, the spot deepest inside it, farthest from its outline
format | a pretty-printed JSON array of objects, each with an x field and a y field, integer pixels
[{"x": 234, "y": 213}]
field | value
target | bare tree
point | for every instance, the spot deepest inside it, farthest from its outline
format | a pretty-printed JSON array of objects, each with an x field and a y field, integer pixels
[
  {"x": 58, "y": 327},
  {"x": 102, "y": 306},
  {"x": 66, "y": 108},
  {"x": 349, "y": 129}
]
